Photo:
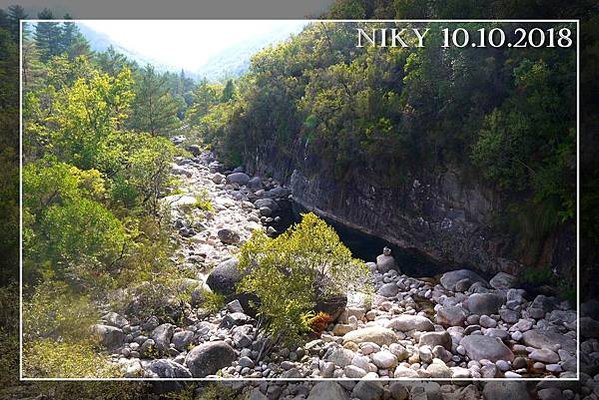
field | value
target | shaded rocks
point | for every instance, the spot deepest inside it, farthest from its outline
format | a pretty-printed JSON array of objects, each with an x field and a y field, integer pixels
[
  {"x": 388, "y": 290},
  {"x": 479, "y": 347},
  {"x": 339, "y": 356},
  {"x": 368, "y": 390},
  {"x": 513, "y": 390},
  {"x": 114, "y": 319},
  {"x": 108, "y": 336},
  {"x": 433, "y": 339},
  {"x": 449, "y": 279},
  {"x": 162, "y": 336},
  {"x": 375, "y": 334},
  {"x": 406, "y": 322},
  {"x": 182, "y": 339},
  {"x": 548, "y": 339},
  {"x": 503, "y": 280},
  {"x": 238, "y": 178},
  {"x": 206, "y": 359}
]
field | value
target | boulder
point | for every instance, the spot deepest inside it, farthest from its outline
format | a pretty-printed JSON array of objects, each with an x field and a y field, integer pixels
[
  {"x": 503, "y": 280},
  {"x": 385, "y": 261},
  {"x": 433, "y": 339},
  {"x": 206, "y": 359},
  {"x": 407, "y": 322},
  {"x": 547, "y": 339},
  {"x": 384, "y": 359},
  {"x": 162, "y": 336},
  {"x": 235, "y": 319},
  {"x": 339, "y": 356},
  {"x": 108, "y": 336},
  {"x": 375, "y": 334},
  {"x": 388, "y": 290},
  {"x": 484, "y": 303},
  {"x": 329, "y": 390},
  {"x": 228, "y": 236},
  {"x": 194, "y": 149},
  {"x": 238, "y": 178},
  {"x": 451, "y": 316},
  {"x": 114, "y": 319},
  {"x": 449, "y": 279},
  {"x": 278, "y": 192},
  {"x": 224, "y": 277},
  {"x": 182, "y": 339},
  {"x": 479, "y": 347},
  {"x": 164, "y": 368},
  {"x": 268, "y": 203},
  {"x": 255, "y": 183}
]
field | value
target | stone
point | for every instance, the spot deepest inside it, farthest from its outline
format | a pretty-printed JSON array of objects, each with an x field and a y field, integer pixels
[
  {"x": 368, "y": 390},
  {"x": 375, "y": 334},
  {"x": 329, "y": 390},
  {"x": 194, "y": 149},
  {"x": 384, "y": 359},
  {"x": 164, "y": 368},
  {"x": 245, "y": 362},
  {"x": 218, "y": 178},
  {"x": 519, "y": 362},
  {"x": 480, "y": 347},
  {"x": 114, "y": 319},
  {"x": 162, "y": 336},
  {"x": 339, "y": 356},
  {"x": 544, "y": 355},
  {"x": 206, "y": 359},
  {"x": 182, "y": 339},
  {"x": 407, "y": 322},
  {"x": 450, "y": 316},
  {"x": 268, "y": 203},
  {"x": 405, "y": 372},
  {"x": 500, "y": 390},
  {"x": 352, "y": 371},
  {"x": 550, "y": 393},
  {"x": 235, "y": 319},
  {"x": 433, "y": 339},
  {"x": 484, "y": 303},
  {"x": 108, "y": 336},
  {"x": 147, "y": 348},
  {"x": 385, "y": 262},
  {"x": 388, "y": 290},
  {"x": 398, "y": 391},
  {"x": 255, "y": 183},
  {"x": 224, "y": 277},
  {"x": 589, "y": 328},
  {"x": 228, "y": 236},
  {"x": 438, "y": 369},
  {"x": 487, "y": 322},
  {"x": 239, "y": 178},
  {"x": 503, "y": 280},
  {"x": 449, "y": 279},
  {"x": 235, "y": 307},
  {"x": 256, "y": 394},
  {"x": 509, "y": 316},
  {"x": 547, "y": 339}
]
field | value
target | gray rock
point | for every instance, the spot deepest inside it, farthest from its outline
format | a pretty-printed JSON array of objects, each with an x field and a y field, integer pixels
[
  {"x": 550, "y": 393},
  {"x": 108, "y": 336},
  {"x": 256, "y": 394},
  {"x": 206, "y": 359},
  {"x": 354, "y": 372},
  {"x": 398, "y": 391},
  {"x": 329, "y": 390},
  {"x": 503, "y": 280},
  {"x": 544, "y": 355},
  {"x": 547, "y": 339},
  {"x": 182, "y": 339},
  {"x": 162, "y": 336},
  {"x": 449, "y": 279},
  {"x": 224, "y": 277},
  {"x": 484, "y": 303},
  {"x": 406, "y": 322},
  {"x": 228, "y": 236},
  {"x": 480, "y": 347},
  {"x": 368, "y": 390},
  {"x": 235, "y": 319},
  {"x": 388, "y": 290},
  {"x": 433, "y": 339},
  {"x": 266, "y": 202},
  {"x": 385, "y": 262},
  {"x": 114, "y": 319},
  {"x": 255, "y": 183},
  {"x": 384, "y": 359},
  {"x": 165, "y": 368},
  {"x": 375, "y": 334},
  {"x": 148, "y": 349},
  {"x": 239, "y": 178},
  {"x": 509, "y": 316},
  {"x": 513, "y": 390},
  {"x": 589, "y": 328},
  {"x": 194, "y": 149},
  {"x": 451, "y": 316},
  {"x": 339, "y": 356}
]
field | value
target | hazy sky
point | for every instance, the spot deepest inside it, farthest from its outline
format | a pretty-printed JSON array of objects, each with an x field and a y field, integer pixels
[{"x": 185, "y": 43}]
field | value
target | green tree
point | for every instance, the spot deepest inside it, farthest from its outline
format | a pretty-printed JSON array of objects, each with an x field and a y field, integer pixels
[{"x": 48, "y": 36}]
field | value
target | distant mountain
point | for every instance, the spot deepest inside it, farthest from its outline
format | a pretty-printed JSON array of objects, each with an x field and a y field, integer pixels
[{"x": 230, "y": 62}]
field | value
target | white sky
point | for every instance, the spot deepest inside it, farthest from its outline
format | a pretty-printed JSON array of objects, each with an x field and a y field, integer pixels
[{"x": 186, "y": 44}]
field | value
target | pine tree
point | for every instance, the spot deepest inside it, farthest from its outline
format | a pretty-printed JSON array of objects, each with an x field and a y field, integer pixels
[
  {"x": 228, "y": 91},
  {"x": 155, "y": 109},
  {"x": 48, "y": 36},
  {"x": 15, "y": 14}
]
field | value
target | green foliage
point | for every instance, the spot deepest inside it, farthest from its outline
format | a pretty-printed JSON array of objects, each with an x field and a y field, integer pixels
[
  {"x": 203, "y": 202},
  {"x": 49, "y": 359},
  {"x": 218, "y": 391},
  {"x": 291, "y": 272},
  {"x": 213, "y": 302}
]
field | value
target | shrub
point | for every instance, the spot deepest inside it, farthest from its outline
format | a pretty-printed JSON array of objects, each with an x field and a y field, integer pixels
[
  {"x": 203, "y": 202},
  {"x": 79, "y": 359},
  {"x": 319, "y": 322},
  {"x": 291, "y": 272}
]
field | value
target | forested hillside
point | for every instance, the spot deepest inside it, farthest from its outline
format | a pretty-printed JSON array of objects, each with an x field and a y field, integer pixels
[{"x": 498, "y": 124}]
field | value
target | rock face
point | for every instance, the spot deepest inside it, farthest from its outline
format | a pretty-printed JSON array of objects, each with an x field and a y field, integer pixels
[
  {"x": 207, "y": 358},
  {"x": 375, "y": 334},
  {"x": 479, "y": 347}
]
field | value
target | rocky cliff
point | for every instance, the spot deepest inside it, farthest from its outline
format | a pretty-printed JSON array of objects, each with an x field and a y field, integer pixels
[{"x": 443, "y": 215}]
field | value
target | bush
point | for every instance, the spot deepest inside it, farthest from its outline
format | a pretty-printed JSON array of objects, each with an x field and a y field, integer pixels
[
  {"x": 203, "y": 202},
  {"x": 291, "y": 272},
  {"x": 55, "y": 311},
  {"x": 50, "y": 359}
]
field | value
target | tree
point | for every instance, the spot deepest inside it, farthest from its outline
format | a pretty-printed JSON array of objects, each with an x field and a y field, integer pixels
[
  {"x": 228, "y": 91},
  {"x": 48, "y": 36},
  {"x": 154, "y": 108},
  {"x": 290, "y": 273}
]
